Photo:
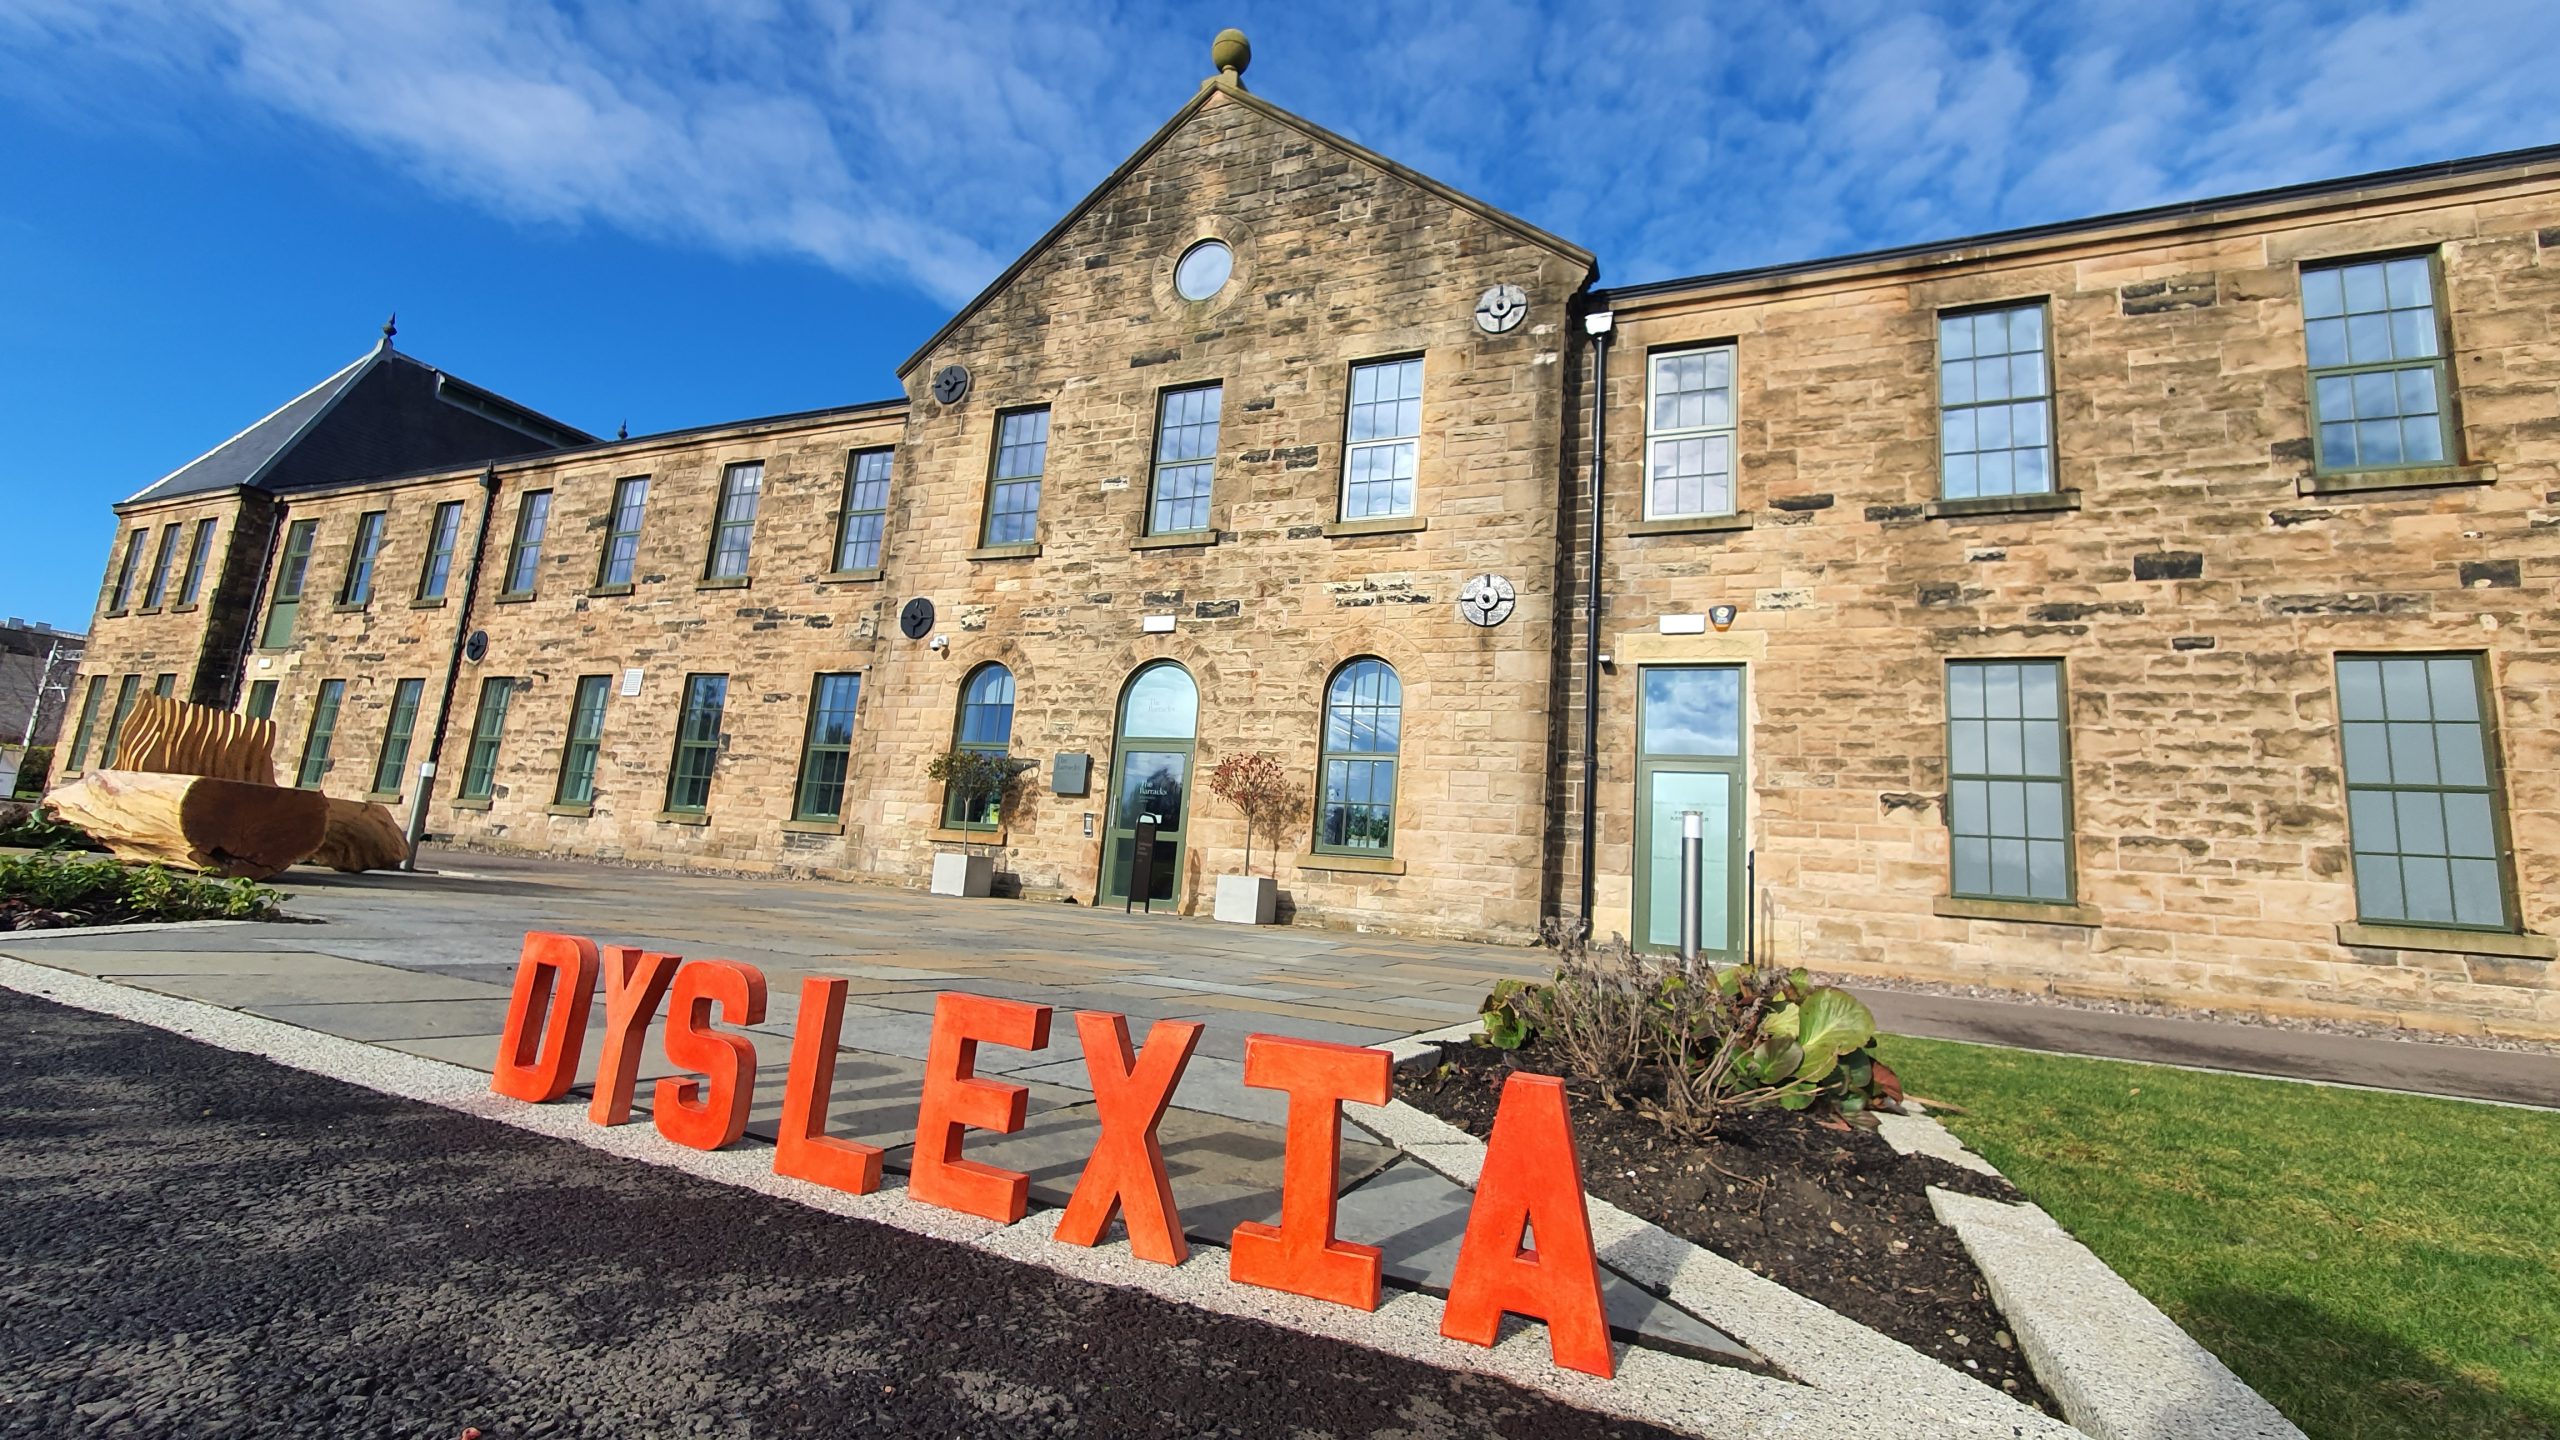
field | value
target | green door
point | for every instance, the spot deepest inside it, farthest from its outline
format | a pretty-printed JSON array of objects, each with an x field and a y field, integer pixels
[
  {"x": 1151, "y": 778},
  {"x": 1689, "y": 757}
]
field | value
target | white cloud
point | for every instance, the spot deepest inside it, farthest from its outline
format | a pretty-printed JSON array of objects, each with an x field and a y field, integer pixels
[{"x": 925, "y": 144}]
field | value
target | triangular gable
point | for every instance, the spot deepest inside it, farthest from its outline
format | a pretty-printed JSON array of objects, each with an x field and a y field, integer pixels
[{"x": 1225, "y": 87}]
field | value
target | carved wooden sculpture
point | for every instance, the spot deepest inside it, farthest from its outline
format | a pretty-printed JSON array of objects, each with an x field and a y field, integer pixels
[{"x": 196, "y": 787}]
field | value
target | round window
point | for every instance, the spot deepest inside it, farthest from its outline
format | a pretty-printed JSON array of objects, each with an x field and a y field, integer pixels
[{"x": 1204, "y": 270}]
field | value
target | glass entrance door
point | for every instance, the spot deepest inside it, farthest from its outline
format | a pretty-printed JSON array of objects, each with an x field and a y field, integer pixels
[
  {"x": 1689, "y": 757},
  {"x": 1151, "y": 779}
]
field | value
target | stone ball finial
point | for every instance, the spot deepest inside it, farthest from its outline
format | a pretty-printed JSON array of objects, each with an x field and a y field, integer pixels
[{"x": 1231, "y": 52}]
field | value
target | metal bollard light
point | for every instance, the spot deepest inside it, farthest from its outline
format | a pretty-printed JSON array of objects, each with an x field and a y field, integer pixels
[{"x": 1693, "y": 851}]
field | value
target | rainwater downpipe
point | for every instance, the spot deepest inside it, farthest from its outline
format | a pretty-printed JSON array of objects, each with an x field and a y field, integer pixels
[
  {"x": 452, "y": 668},
  {"x": 1597, "y": 325}
]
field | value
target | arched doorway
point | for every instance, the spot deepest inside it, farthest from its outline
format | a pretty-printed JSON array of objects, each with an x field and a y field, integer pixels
[{"x": 1151, "y": 777}]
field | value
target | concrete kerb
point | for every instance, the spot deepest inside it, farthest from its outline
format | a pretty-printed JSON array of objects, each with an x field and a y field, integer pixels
[
  {"x": 84, "y": 932},
  {"x": 1857, "y": 1386},
  {"x": 2118, "y": 1367}
]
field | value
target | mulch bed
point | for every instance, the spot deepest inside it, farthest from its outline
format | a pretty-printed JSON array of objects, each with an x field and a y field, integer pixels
[{"x": 1834, "y": 1215}]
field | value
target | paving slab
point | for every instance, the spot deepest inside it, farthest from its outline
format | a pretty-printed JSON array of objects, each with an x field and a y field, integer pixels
[
  {"x": 121, "y": 963},
  {"x": 873, "y": 1100},
  {"x": 372, "y": 983},
  {"x": 480, "y": 1052},
  {"x": 394, "y": 1019},
  {"x": 1419, "y": 1218}
]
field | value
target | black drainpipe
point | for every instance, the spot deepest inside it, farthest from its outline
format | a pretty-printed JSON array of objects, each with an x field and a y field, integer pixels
[
  {"x": 452, "y": 668},
  {"x": 1598, "y": 325}
]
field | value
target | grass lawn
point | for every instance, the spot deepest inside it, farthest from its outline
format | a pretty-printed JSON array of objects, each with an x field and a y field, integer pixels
[{"x": 2375, "y": 1265}]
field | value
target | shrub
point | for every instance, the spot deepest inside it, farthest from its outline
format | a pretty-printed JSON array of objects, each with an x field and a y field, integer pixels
[
  {"x": 1683, "y": 1042},
  {"x": 51, "y": 890},
  {"x": 31, "y": 829},
  {"x": 34, "y": 768},
  {"x": 1260, "y": 791},
  {"x": 980, "y": 776}
]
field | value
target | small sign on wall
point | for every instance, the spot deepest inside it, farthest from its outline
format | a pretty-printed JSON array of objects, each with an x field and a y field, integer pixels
[
  {"x": 631, "y": 681},
  {"x": 1684, "y": 624}
]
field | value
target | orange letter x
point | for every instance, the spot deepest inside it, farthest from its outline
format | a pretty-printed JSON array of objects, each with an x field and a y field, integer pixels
[{"x": 1126, "y": 1170}]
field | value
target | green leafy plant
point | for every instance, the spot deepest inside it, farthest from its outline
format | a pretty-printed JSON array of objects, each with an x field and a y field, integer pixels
[
  {"x": 1684, "y": 1042},
  {"x": 35, "y": 830},
  {"x": 979, "y": 779},
  {"x": 50, "y": 890},
  {"x": 35, "y": 765}
]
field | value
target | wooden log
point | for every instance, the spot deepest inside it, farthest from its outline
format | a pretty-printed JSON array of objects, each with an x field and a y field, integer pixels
[
  {"x": 221, "y": 827},
  {"x": 360, "y": 836},
  {"x": 183, "y": 738}
]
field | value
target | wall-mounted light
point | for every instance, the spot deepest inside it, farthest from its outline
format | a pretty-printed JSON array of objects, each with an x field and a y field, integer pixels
[{"x": 939, "y": 642}]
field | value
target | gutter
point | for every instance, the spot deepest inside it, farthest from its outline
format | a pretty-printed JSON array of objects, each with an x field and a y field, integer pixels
[
  {"x": 1597, "y": 325},
  {"x": 452, "y": 667}
]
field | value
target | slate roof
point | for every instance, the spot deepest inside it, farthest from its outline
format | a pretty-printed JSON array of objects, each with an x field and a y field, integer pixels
[{"x": 384, "y": 413}]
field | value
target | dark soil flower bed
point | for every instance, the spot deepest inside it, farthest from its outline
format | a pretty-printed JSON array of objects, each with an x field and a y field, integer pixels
[{"x": 1834, "y": 1215}]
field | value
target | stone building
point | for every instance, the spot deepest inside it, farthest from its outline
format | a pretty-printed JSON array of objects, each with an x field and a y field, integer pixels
[{"x": 2159, "y": 605}]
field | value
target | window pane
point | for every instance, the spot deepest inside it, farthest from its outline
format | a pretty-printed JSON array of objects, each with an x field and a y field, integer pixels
[{"x": 1692, "y": 711}]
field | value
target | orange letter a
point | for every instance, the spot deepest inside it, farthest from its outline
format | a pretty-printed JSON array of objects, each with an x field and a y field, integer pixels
[{"x": 1532, "y": 1181}]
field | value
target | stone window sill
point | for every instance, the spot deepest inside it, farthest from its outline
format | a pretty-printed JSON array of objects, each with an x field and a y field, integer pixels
[
  {"x": 471, "y": 804},
  {"x": 1179, "y": 540},
  {"x": 431, "y": 602},
  {"x": 2029, "y": 912},
  {"x": 2047, "y": 503},
  {"x": 1693, "y": 525},
  {"x": 812, "y": 827},
  {"x": 2448, "y": 942},
  {"x": 1377, "y": 525},
  {"x": 2428, "y": 477},
  {"x": 607, "y": 592},
  {"x": 1353, "y": 864},
  {"x": 347, "y": 607},
  {"x": 684, "y": 817},
  {"x": 115, "y": 614},
  {"x": 382, "y": 797},
  {"x": 147, "y": 610},
  {"x": 1005, "y": 552},
  {"x": 182, "y": 609},
  {"x": 852, "y": 577},
  {"x": 575, "y": 812},
  {"x": 948, "y": 836},
  {"x": 723, "y": 582},
  {"x": 521, "y": 597}
]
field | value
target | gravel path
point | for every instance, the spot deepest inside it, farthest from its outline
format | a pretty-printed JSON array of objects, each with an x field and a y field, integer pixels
[{"x": 196, "y": 1242}]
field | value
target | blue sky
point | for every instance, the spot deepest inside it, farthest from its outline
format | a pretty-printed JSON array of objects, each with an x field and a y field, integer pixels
[{"x": 673, "y": 212}]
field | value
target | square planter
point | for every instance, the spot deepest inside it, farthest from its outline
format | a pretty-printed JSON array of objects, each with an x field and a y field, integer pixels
[
  {"x": 970, "y": 875},
  {"x": 1248, "y": 899}
]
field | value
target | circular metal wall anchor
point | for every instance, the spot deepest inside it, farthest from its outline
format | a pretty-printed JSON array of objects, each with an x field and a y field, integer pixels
[
  {"x": 916, "y": 618},
  {"x": 1501, "y": 308},
  {"x": 1487, "y": 600},
  {"x": 951, "y": 384}
]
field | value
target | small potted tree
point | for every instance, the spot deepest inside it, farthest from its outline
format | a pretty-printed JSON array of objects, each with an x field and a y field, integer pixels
[
  {"x": 980, "y": 782},
  {"x": 1260, "y": 791}
]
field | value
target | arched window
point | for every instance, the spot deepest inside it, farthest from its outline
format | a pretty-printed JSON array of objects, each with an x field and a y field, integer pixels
[
  {"x": 1363, "y": 723},
  {"x": 986, "y": 727}
]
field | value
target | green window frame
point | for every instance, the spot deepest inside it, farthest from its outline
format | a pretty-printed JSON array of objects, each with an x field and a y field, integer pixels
[
  {"x": 733, "y": 525},
  {"x": 1382, "y": 439},
  {"x": 323, "y": 731},
  {"x": 193, "y": 584},
  {"x": 866, "y": 510},
  {"x": 1186, "y": 459},
  {"x": 444, "y": 532},
  {"x": 2009, "y": 815},
  {"x": 156, "y": 589},
  {"x": 2426, "y": 817},
  {"x": 488, "y": 730},
  {"x": 697, "y": 753},
  {"x": 123, "y": 595},
  {"x": 260, "y": 703},
  {"x": 396, "y": 734},
  {"x": 358, "y": 589},
  {"x": 585, "y": 742},
  {"x": 127, "y": 690},
  {"x": 1995, "y": 402},
  {"x": 1362, "y": 744},
  {"x": 165, "y": 684},
  {"x": 292, "y": 569},
  {"x": 1689, "y": 432},
  {"x": 1014, "y": 476},
  {"x": 88, "y": 725},
  {"x": 622, "y": 531},
  {"x": 985, "y": 725},
  {"x": 826, "y": 749},
  {"x": 524, "y": 554},
  {"x": 2381, "y": 391}
]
